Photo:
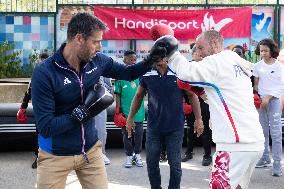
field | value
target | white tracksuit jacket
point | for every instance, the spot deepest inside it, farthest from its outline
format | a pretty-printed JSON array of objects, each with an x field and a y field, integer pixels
[{"x": 225, "y": 78}]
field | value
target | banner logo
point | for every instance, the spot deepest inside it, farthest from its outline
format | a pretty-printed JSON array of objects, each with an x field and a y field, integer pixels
[{"x": 187, "y": 24}]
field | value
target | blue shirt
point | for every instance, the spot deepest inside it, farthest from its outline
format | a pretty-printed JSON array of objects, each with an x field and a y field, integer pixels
[{"x": 165, "y": 102}]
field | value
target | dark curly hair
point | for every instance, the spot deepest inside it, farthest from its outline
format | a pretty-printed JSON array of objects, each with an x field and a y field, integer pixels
[
  {"x": 85, "y": 24},
  {"x": 43, "y": 55},
  {"x": 239, "y": 47},
  {"x": 274, "y": 50},
  {"x": 129, "y": 52}
]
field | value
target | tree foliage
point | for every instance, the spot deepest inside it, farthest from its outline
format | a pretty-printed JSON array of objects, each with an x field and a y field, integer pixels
[
  {"x": 9, "y": 61},
  {"x": 28, "y": 68}
]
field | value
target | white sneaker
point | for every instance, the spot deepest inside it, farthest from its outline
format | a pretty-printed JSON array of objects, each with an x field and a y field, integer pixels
[
  {"x": 138, "y": 160},
  {"x": 128, "y": 162},
  {"x": 106, "y": 160}
]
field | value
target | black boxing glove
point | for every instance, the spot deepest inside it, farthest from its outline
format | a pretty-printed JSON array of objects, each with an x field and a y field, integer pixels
[
  {"x": 80, "y": 114},
  {"x": 164, "y": 47},
  {"x": 97, "y": 100}
]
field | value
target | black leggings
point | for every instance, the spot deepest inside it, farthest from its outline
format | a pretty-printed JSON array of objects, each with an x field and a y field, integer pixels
[{"x": 36, "y": 143}]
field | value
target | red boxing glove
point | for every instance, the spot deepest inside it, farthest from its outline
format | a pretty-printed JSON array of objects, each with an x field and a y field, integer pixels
[
  {"x": 183, "y": 85},
  {"x": 160, "y": 30},
  {"x": 187, "y": 109},
  {"x": 119, "y": 120},
  {"x": 257, "y": 100},
  {"x": 21, "y": 116}
]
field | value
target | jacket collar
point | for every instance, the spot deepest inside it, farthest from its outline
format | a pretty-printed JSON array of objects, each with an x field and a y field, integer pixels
[{"x": 59, "y": 58}]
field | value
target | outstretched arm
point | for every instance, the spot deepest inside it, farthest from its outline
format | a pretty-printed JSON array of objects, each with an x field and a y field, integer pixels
[
  {"x": 198, "y": 123},
  {"x": 256, "y": 81},
  {"x": 135, "y": 105},
  {"x": 117, "y": 103},
  {"x": 27, "y": 97},
  {"x": 21, "y": 114},
  {"x": 202, "y": 71}
]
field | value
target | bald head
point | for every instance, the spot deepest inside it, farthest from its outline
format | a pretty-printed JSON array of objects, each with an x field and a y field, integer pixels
[{"x": 209, "y": 42}]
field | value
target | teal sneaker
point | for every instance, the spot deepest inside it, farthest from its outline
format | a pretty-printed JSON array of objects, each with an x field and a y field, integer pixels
[
  {"x": 263, "y": 163},
  {"x": 277, "y": 171}
]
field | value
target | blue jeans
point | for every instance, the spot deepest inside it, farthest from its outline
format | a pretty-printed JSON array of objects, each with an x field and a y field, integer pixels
[
  {"x": 173, "y": 143},
  {"x": 100, "y": 123}
]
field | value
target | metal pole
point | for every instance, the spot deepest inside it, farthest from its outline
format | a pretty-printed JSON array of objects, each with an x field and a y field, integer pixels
[
  {"x": 133, "y": 41},
  {"x": 275, "y": 23},
  {"x": 55, "y": 29},
  {"x": 278, "y": 23}
]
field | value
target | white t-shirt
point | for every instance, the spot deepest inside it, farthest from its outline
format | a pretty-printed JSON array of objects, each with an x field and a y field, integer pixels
[{"x": 271, "y": 78}]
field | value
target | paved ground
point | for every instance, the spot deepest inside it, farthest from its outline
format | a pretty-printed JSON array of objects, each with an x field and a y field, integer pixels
[{"x": 15, "y": 173}]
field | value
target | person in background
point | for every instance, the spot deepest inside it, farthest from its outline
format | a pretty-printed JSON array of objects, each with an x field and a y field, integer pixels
[
  {"x": 156, "y": 32},
  {"x": 240, "y": 50},
  {"x": 269, "y": 81},
  {"x": 101, "y": 120},
  {"x": 22, "y": 112},
  {"x": 165, "y": 121},
  {"x": 280, "y": 58},
  {"x": 190, "y": 118},
  {"x": 124, "y": 93}
]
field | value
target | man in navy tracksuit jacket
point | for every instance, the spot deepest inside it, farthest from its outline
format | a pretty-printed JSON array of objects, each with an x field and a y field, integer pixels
[{"x": 59, "y": 86}]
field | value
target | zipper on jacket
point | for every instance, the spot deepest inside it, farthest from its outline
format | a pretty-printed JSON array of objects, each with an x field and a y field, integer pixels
[{"x": 82, "y": 101}]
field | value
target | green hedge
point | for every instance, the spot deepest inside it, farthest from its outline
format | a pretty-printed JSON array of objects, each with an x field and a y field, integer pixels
[{"x": 10, "y": 63}]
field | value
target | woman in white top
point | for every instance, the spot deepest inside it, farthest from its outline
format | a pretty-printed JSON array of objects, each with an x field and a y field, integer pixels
[{"x": 269, "y": 84}]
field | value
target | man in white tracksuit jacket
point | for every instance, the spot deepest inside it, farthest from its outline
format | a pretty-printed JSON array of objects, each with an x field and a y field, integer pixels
[{"x": 235, "y": 123}]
